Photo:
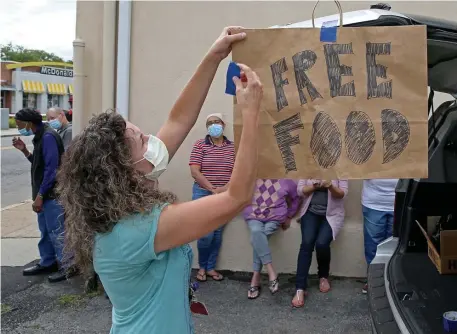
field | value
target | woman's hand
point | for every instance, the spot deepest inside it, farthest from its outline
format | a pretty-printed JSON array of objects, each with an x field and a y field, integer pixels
[
  {"x": 326, "y": 184},
  {"x": 335, "y": 191},
  {"x": 249, "y": 91},
  {"x": 286, "y": 224},
  {"x": 223, "y": 45}
]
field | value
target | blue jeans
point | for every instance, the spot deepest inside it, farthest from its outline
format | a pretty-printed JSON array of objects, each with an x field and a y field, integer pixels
[
  {"x": 377, "y": 227},
  {"x": 260, "y": 232},
  {"x": 51, "y": 225},
  {"x": 315, "y": 233},
  {"x": 210, "y": 244}
]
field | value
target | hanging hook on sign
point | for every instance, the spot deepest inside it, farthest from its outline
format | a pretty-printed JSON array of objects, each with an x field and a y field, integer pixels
[{"x": 339, "y": 9}]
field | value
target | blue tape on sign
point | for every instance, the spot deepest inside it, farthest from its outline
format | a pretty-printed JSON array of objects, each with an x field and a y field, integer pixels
[
  {"x": 450, "y": 322},
  {"x": 328, "y": 31},
  {"x": 232, "y": 71}
]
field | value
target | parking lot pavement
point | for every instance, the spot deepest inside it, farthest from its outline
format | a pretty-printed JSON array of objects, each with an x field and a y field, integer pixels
[{"x": 31, "y": 305}]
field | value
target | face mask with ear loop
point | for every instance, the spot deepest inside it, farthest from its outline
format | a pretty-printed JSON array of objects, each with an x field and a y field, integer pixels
[{"x": 157, "y": 155}]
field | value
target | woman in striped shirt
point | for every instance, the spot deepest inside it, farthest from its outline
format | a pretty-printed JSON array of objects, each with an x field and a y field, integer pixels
[{"x": 211, "y": 164}]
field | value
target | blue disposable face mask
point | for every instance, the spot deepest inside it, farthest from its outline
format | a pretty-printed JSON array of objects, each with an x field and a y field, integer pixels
[
  {"x": 25, "y": 132},
  {"x": 215, "y": 130},
  {"x": 55, "y": 124}
]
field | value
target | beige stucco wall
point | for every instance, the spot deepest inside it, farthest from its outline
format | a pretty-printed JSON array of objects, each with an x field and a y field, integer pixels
[{"x": 168, "y": 41}]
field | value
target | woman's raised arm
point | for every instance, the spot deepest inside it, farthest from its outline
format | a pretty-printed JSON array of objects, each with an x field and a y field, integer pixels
[
  {"x": 182, "y": 223},
  {"x": 187, "y": 107}
]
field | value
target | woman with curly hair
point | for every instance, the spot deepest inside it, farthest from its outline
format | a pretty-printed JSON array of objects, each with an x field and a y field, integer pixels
[{"x": 136, "y": 234}]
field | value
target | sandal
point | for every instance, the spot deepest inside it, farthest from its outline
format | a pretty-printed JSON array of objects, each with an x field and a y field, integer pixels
[
  {"x": 274, "y": 286},
  {"x": 299, "y": 303},
  {"x": 217, "y": 277},
  {"x": 201, "y": 277},
  {"x": 324, "y": 285},
  {"x": 254, "y": 289}
]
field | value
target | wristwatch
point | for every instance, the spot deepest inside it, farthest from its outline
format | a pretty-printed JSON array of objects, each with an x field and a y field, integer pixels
[{"x": 40, "y": 195}]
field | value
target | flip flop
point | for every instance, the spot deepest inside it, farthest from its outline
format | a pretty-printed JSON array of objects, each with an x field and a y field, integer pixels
[
  {"x": 201, "y": 277},
  {"x": 217, "y": 277},
  {"x": 254, "y": 289},
  {"x": 274, "y": 286},
  {"x": 301, "y": 303}
]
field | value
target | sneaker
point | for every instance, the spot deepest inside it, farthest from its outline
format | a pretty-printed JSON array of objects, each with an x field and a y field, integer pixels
[{"x": 365, "y": 289}]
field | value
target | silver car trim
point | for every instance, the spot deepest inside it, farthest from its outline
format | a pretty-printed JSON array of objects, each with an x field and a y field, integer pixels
[{"x": 384, "y": 253}]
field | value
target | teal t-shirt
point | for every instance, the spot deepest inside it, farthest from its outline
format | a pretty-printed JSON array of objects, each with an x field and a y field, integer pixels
[{"x": 149, "y": 292}]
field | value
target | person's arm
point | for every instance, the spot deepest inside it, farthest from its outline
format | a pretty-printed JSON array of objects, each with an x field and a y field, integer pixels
[
  {"x": 293, "y": 200},
  {"x": 195, "y": 171},
  {"x": 184, "y": 222},
  {"x": 304, "y": 189},
  {"x": 195, "y": 163},
  {"x": 20, "y": 145},
  {"x": 224, "y": 188},
  {"x": 28, "y": 154},
  {"x": 66, "y": 139},
  {"x": 185, "y": 111},
  {"x": 51, "y": 163},
  {"x": 339, "y": 191}
]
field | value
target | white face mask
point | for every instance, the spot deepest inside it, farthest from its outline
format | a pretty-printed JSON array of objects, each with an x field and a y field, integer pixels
[{"x": 157, "y": 155}]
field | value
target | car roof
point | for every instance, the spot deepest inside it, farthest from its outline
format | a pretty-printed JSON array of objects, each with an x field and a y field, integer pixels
[
  {"x": 441, "y": 40},
  {"x": 363, "y": 16},
  {"x": 349, "y": 18}
]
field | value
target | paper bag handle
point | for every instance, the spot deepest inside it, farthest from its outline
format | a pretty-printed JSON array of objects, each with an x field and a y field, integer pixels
[{"x": 339, "y": 9}]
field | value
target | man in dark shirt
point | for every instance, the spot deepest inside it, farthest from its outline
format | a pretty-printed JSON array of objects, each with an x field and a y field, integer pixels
[{"x": 47, "y": 151}]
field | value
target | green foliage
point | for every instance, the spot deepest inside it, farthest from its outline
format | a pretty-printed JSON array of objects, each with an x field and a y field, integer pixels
[
  {"x": 21, "y": 54},
  {"x": 70, "y": 300},
  {"x": 5, "y": 308}
]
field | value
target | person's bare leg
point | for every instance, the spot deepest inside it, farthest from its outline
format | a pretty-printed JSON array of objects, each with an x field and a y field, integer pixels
[
  {"x": 255, "y": 282},
  {"x": 272, "y": 278},
  {"x": 272, "y": 275}
]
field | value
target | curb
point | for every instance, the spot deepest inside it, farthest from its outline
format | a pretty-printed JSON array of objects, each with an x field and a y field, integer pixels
[
  {"x": 15, "y": 205},
  {"x": 10, "y": 135}
]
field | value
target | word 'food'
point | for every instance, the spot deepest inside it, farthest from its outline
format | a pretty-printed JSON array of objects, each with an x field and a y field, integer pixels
[{"x": 359, "y": 138}]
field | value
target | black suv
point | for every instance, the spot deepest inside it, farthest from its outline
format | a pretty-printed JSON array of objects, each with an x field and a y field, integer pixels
[{"x": 406, "y": 292}]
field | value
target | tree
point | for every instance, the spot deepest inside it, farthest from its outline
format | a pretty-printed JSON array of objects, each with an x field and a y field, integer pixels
[{"x": 21, "y": 54}]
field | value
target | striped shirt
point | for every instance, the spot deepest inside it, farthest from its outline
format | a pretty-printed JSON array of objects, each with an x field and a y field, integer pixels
[{"x": 216, "y": 162}]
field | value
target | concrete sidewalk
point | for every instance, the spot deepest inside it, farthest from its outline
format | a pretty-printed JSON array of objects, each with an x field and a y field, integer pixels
[
  {"x": 9, "y": 133},
  {"x": 19, "y": 232}
]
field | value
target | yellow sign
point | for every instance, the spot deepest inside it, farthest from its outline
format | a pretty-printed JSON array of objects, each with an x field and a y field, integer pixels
[{"x": 37, "y": 63}]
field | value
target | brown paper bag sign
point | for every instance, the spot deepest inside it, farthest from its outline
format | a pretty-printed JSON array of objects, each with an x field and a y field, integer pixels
[{"x": 355, "y": 108}]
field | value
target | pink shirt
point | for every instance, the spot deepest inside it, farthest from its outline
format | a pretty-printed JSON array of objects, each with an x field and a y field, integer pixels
[{"x": 335, "y": 206}]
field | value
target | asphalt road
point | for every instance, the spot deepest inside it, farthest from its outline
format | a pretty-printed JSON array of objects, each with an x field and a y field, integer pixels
[
  {"x": 15, "y": 173},
  {"x": 31, "y": 305}
]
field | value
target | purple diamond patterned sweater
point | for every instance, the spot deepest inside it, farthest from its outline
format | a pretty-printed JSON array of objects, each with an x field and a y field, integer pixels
[{"x": 269, "y": 202}]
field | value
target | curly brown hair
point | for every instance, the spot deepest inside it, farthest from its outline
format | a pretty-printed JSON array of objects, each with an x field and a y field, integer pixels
[{"x": 97, "y": 186}]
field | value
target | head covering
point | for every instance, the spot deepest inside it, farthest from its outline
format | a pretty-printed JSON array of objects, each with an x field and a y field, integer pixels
[
  {"x": 29, "y": 115},
  {"x": 218, "y": 115}
]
